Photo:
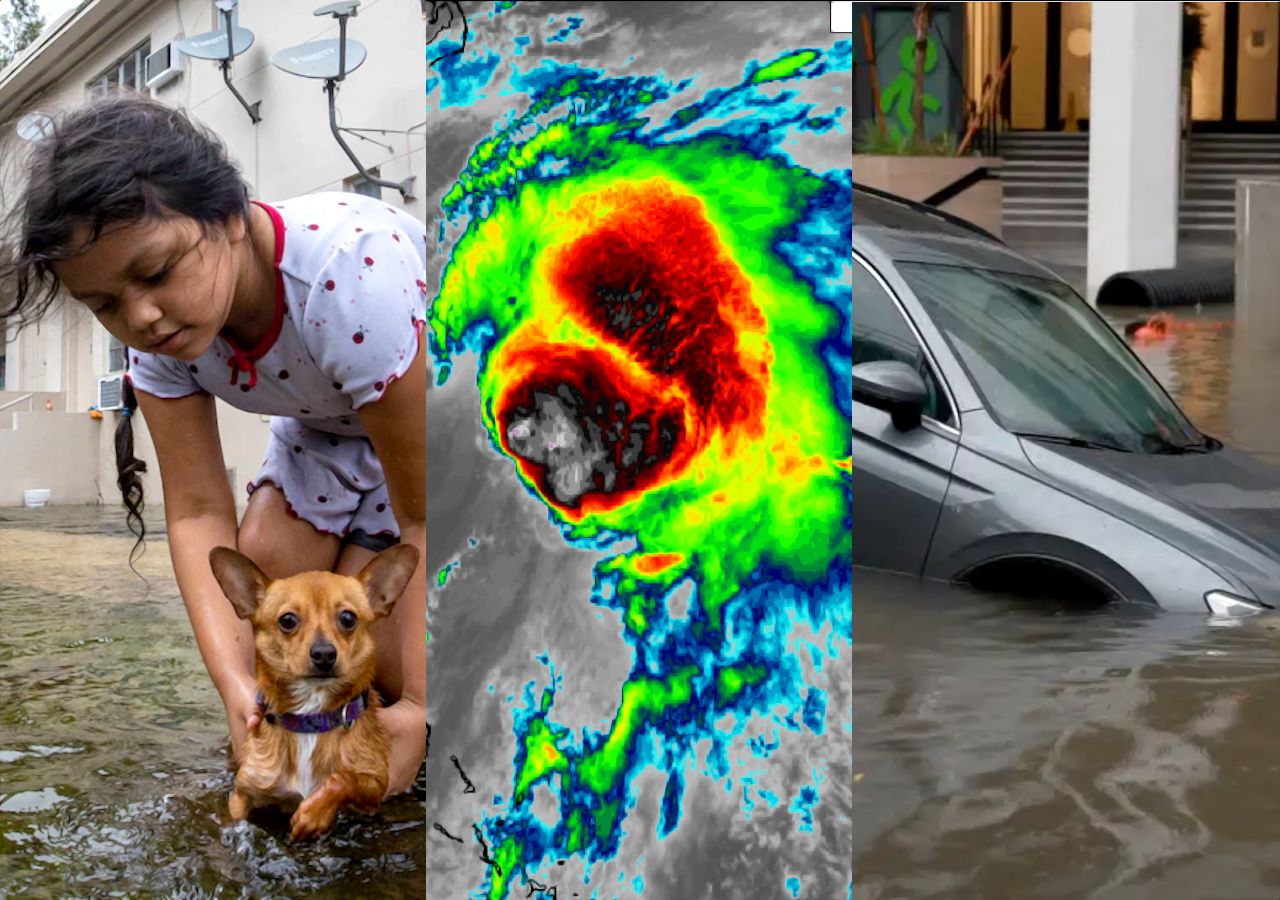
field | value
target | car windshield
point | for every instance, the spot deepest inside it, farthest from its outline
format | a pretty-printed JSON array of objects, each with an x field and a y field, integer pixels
[{"x": 1044, "y": 363}]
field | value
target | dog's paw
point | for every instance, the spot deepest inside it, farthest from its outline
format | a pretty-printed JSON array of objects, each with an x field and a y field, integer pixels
[
  {"x": 238, "y": 805},
  {"x": 311, "y": 820}
]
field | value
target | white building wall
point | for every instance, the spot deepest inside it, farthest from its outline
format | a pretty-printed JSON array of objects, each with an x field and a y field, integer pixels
[
  {"x": 1134, "y": 139},
  {"x": 290, "y": 152}
]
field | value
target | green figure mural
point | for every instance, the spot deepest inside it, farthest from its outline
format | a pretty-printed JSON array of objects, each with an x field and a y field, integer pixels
[{"x": 900, "y": 93}]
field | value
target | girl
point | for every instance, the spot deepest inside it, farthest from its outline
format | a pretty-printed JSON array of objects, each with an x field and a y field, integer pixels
[{"x": 311, "y": 310}]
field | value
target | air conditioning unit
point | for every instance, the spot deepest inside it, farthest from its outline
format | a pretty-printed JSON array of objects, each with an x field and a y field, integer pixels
[
  {"x": 111, "y": 392},
  {"x": 164, "y": 65}
]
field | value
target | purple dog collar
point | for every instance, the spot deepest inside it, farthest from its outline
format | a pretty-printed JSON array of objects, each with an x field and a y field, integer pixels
[{"x": 316, "y": 723}]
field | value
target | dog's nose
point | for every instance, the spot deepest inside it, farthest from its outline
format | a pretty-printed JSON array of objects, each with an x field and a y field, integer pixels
[{"x": 323, "y": 656}]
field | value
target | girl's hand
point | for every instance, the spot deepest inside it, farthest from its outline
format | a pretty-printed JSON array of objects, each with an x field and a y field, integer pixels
[
  {"x": 243, "y": 715},
  {"x": 405, "y": 723}
]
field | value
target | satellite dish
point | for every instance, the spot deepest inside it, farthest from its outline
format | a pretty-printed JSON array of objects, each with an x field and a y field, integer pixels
[
  {"x": 320, "y": 59},
  {"x": 332, "y": 60},
  {"x": 213, "y": 44},
  {"x": 35, "y": 126},
  {"x": 338, "y": 10},
  {"x": 222, "y": 46}
]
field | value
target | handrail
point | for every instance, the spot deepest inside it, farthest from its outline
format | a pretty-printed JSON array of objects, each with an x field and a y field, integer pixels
[
  {"x": 960, "y": 185},
  {"x": 988, "y": 102},
  {"x": 16, "y": 402}
]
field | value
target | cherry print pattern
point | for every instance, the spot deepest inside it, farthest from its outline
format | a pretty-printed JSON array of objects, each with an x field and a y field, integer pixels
[{"x": 301, "y": 354}]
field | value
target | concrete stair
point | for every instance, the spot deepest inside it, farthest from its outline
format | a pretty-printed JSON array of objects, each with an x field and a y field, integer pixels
[
  {"x": 1215, "y": 163},
  {"x": 1046, "y": 184},
  {"x": 1045, "y": 177}
]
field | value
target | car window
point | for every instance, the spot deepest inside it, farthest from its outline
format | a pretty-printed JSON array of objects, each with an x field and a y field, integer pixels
[
  {"x": 880, "y": 332},
  {"x": 1043, "y": 361}
]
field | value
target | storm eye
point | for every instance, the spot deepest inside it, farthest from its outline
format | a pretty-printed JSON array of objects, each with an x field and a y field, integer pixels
[
  {"x": 347, "y": 619},
  {"x": 288, "y": 623}
]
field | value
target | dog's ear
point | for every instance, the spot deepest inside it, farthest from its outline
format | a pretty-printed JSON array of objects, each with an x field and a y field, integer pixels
[
  {"x": 244, "y": 583},
  {"x": 386, "y": 576}
]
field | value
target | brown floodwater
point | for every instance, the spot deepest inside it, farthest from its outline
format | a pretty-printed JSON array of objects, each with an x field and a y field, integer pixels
[
  {"x": 1015, "y": 749},
  {"x": 113, "y": 747}
]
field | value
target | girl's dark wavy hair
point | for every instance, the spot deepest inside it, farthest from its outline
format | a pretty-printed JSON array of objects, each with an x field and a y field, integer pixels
[{"x": 120, "y": 160}]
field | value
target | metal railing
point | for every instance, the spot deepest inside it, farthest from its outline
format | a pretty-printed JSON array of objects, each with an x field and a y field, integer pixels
[{"x": 24, "y": 399}]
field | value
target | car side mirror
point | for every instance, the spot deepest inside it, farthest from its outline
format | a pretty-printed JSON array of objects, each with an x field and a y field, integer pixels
[{"x": 895, "y": 388}]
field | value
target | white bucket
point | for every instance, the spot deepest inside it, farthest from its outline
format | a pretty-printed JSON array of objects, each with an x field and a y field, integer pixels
[{"x": 36, "y": 496}]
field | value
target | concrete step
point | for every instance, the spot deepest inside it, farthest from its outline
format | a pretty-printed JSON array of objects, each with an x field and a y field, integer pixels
[
  {"x": 1209, "y": 203},
  {"x": 1043, "y": 202},
  {"x": 1043, "y": 233},
  {"x": 1207, "y": 228},
  {"x": 1234, "y": 168},
  {"x": 1016, "y": 153},
  {"x": 1030, "y": 217},
  {"x": 1199, "y": 175},
  {"x": 1234, "y": 149},
  {"x": 1014, "y": 173},
  {"x": 1240, "y": 138},
  {"x": 1208, "y": 215},
  {"x": 1046, "y": 189},
  {"x": 1044, "y": 165}
]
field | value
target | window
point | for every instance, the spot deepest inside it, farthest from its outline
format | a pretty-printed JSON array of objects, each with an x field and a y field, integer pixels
[
  {"x": 126, "y": 73},
  {"x": 358, "y": 184},
  {"x": 880, "y": 332},
  {"x": 116, "y": 360}
]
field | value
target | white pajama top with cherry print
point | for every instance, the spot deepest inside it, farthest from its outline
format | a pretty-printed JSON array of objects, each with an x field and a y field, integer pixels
[{"x": 350, "y": 315}]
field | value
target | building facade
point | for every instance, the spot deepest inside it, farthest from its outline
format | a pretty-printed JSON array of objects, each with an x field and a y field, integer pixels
[
  {"x": 1120, "y": 127},
  {"x": 1234, "y": 83},
  {"x": 50, "y": 371}
]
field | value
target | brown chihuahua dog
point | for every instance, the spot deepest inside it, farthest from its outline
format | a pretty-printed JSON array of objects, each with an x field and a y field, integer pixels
[{"x": 319, "y": 743}]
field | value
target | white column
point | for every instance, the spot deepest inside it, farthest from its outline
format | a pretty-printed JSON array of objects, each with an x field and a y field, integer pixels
[{"x": 1135, "y": 96}]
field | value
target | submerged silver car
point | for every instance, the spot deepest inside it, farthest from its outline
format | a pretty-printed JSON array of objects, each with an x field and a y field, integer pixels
[{"x": 1005, "y": 437}]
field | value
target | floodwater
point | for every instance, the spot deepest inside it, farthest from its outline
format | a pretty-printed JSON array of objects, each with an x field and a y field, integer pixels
[
  {"x": 113, "y": 747},
  {"x": 1012, "y": 749}
]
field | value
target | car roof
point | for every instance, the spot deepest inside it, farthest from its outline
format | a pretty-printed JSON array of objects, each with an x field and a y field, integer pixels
[{"x": 906, "y": 231}]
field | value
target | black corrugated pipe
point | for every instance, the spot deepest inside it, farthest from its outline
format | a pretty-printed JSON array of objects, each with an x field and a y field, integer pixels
[{"x": 1187, "y": 285}]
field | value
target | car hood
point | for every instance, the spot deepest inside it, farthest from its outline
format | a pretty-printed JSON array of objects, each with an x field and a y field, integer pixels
[{"x": 1221, "y": 507}]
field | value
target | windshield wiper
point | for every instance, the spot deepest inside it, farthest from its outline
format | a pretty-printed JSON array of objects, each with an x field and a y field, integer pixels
[
  {"x": 1162, "y": 444},
  {"x": 1072, "y": 440}
]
